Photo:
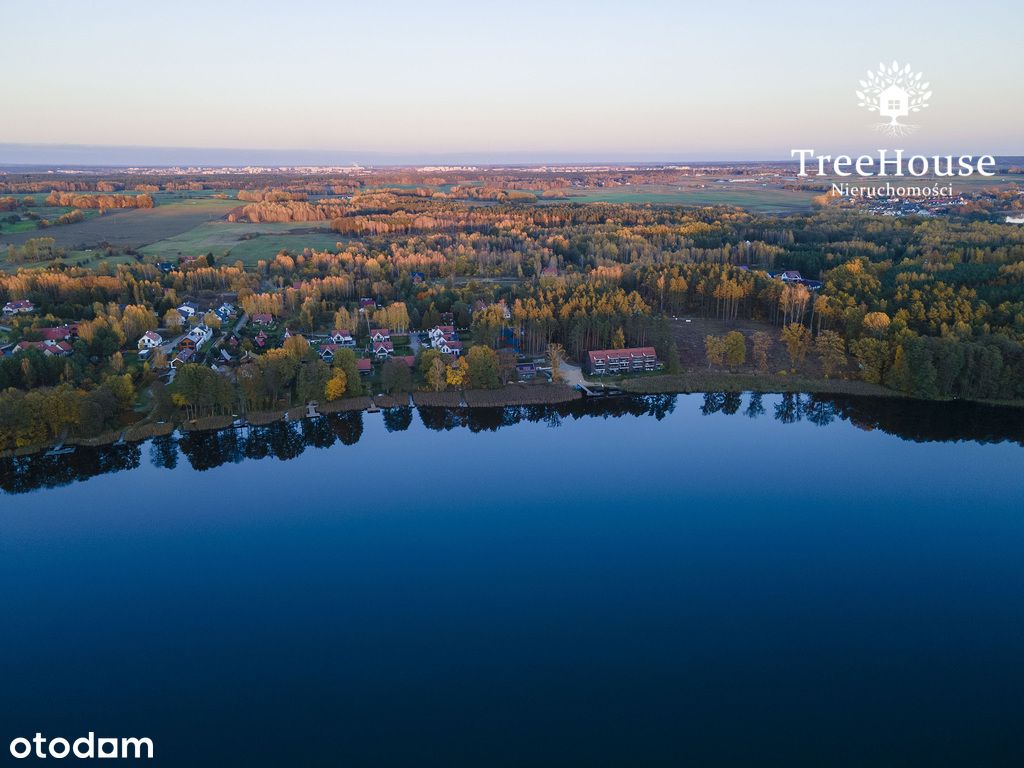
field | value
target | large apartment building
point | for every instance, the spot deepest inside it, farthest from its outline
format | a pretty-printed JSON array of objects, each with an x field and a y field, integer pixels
[{"x": 617, "y": 361}]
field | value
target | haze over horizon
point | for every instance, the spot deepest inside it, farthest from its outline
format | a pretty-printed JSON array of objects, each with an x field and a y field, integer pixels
[
  {"x": 71, "y": 156},
  {"x": 328, "y": 83},
  {"x": 78, "y": 155}
]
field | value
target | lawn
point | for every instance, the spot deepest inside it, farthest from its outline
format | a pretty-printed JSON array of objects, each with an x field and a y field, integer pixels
[
  {"x": 192, "y": 194},
  {"x": 243, "y": 241},
  {"x": 48, "y": 212},
  {"x": 87, "y": 257},
  {"x": 25, "y": 225},
  {"x": 133, "y": 228},
  {"x": 752, "y": 196}
]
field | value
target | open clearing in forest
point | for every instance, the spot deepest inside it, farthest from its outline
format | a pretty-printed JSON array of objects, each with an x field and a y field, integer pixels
[
  {"x": 690, "y": 337},
  {"x": 754, "y": 196},
  {"x": 132, "y": 227},
  {"x": 246, "y": 242},
  {"x": 751, "y": 196}
]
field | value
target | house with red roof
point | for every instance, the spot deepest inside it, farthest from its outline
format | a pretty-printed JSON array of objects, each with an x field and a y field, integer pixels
[
  {"x": 341, "y": 337},
  {"x": 382, "y": 349},
  {"x": 59, "y": 333},
  {"x": 380, "y": 334},
  {"x": 150, "y": 339},
  {"x": 364, "y": 365},
  {"x": 20, "y": 307},
  {"x": 50, "y": 348},
  {"x": 444, "y": 336},
  {"x": 617, "y": 361},
  {"x": 262, "y": 318},
  {"x": 327, "y": 352},
  {"x": 446, "y": 347}
]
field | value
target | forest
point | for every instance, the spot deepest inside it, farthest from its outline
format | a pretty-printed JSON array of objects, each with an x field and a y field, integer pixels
[{"x": 931, "y": 307}]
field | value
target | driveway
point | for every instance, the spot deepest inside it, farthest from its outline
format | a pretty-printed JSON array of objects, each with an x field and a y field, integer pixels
[
  {"x": 572, "y": 374},
  {"x": 168, "y": 346}
]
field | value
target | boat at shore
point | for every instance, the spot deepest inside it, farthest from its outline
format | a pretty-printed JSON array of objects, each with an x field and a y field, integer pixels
[
  {"x": 60, "y": 450},
  {"x": 600, "y": 390}
]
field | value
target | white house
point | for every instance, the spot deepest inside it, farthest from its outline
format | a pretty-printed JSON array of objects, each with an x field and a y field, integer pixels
[
  {"x": 327, "y": 352},
  {"x": 378, "y": 335},
  {"x": 150, "y": 339},
  {"x": 442, "y": 334},
  {"x": 225, "y": 312},
  {"x": 198, "y": 336},
  {"x": 450, "y": 348},
  {"x": 341, "y": 337},
  {"x": 187, "y": 310}
]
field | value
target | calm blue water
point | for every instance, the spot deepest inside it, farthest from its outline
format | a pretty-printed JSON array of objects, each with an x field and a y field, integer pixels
[{"x": 828, "y": 583}]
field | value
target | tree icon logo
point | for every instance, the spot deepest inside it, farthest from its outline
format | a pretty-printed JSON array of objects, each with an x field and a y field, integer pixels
[{"x": 894, "y": 92}]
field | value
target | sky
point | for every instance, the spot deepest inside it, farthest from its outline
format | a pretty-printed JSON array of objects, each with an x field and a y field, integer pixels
[{"x": 499, "y": 82}]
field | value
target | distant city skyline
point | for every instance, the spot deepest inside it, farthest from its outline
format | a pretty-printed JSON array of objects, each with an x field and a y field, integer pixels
[{"x": 452, "y": 82}]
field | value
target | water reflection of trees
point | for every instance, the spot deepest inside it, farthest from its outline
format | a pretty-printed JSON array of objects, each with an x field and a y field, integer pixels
[
  {"x": 492, "y": 419},
  {"x": 203, "y": 450},
  {"x": 789, "y": 409},
  {"x": 27, "y": 473},
  {"x": 755, "y": 405},
  {"x": 915, "y": 420},
  {"x": 909, "y": 419}
]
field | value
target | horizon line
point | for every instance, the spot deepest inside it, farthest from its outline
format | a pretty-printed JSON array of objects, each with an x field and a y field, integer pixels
[{"x": 15, "y": 155}]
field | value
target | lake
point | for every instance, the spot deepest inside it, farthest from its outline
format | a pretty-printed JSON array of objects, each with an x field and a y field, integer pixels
[{"x": 702, "y": 580}]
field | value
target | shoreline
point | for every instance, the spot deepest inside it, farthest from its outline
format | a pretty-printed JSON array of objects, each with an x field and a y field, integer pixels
[
  {"x": 691, "y": 382},
  {"x": 695, "y": 382}
]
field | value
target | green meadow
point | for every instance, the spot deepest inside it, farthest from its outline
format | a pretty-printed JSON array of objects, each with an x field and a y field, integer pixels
[
  {"x": 49, "y": 212},
  {"x": 133, "y": 227},
  {"x": 241, "y": 241},
  {"x": 752, "y": 196},
  {"x": 183, "y": 223}
]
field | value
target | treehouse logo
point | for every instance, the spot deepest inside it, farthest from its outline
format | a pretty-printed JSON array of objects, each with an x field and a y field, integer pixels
[{"x": 894, "y": 92}]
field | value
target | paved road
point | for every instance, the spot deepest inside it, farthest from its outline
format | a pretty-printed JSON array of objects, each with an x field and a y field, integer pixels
[{"x": 168, "y": 346}]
